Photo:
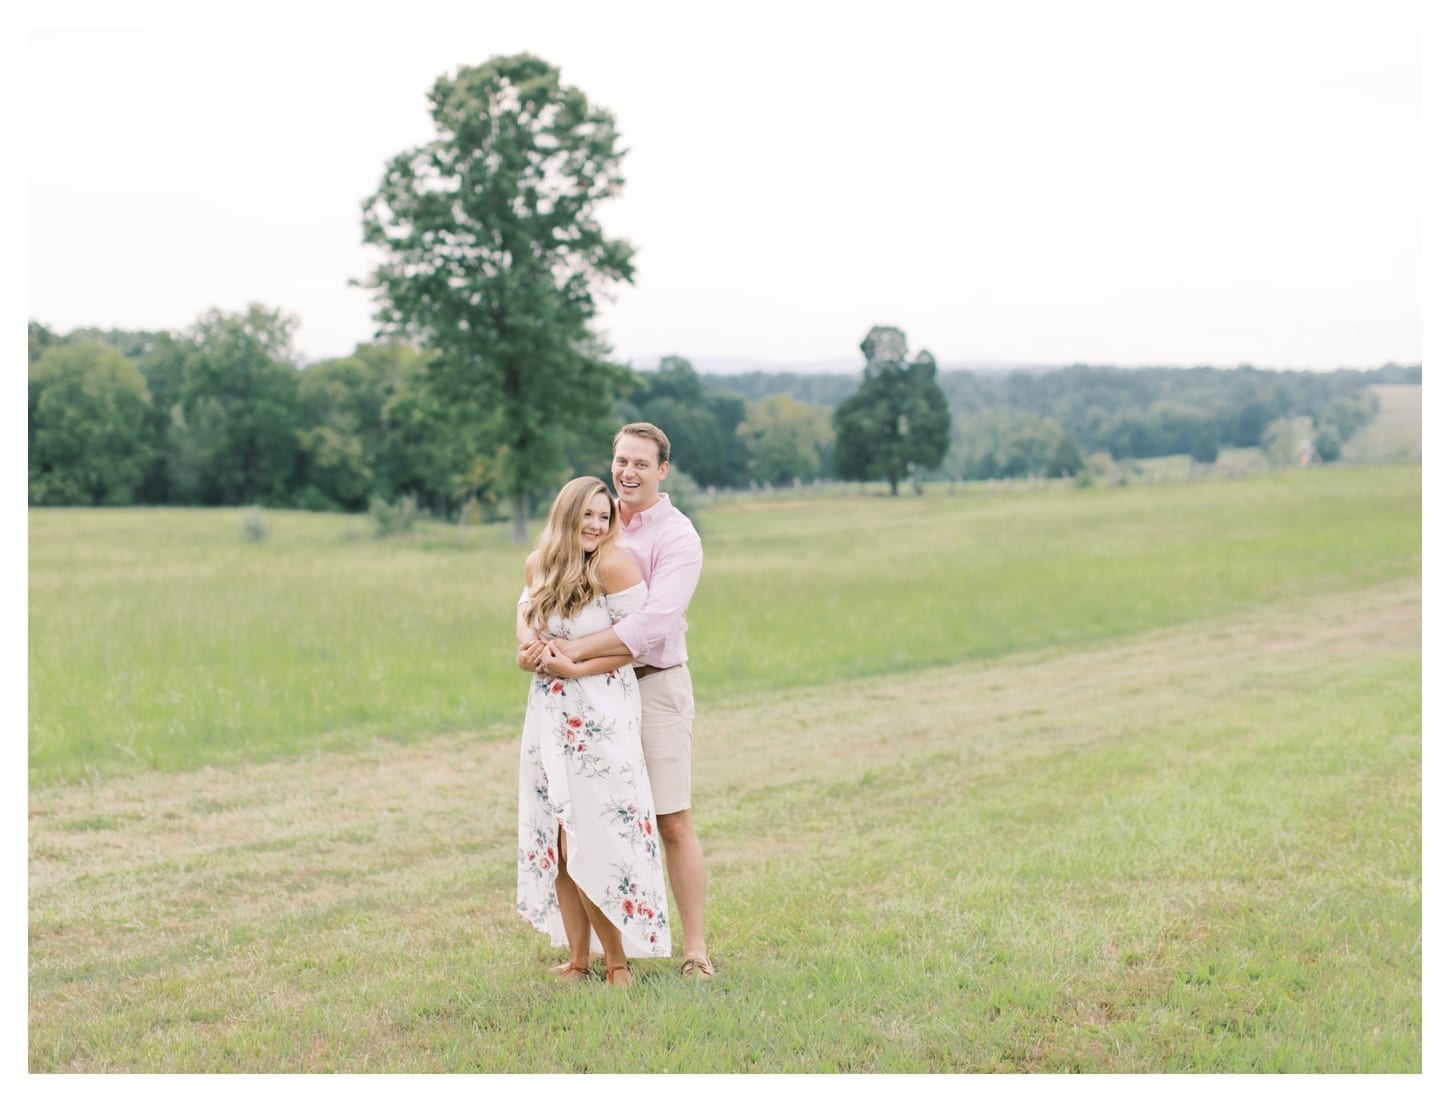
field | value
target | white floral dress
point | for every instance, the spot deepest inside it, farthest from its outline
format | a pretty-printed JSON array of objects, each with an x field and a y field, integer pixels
[{"x": 581, "y": 767}]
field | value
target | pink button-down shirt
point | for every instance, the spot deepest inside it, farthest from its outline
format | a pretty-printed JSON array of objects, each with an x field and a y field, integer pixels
[{"x": 667, "y": 548}]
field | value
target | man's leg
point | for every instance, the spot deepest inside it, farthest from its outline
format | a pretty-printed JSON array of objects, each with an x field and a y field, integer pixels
[
  {"x": 667, "y": 714},
  {"x": 685, "y": 864}
]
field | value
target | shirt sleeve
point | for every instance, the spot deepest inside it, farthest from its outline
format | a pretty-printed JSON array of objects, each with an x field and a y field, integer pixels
[{"x": 671, "y": 585}]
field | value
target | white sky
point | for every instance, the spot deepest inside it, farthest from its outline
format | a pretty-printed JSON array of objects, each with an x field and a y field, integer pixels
[{"x": 1070, "y": 183}]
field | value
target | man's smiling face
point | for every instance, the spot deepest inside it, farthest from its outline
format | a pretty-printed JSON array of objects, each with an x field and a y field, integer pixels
[{"x": 637, "y": 472}]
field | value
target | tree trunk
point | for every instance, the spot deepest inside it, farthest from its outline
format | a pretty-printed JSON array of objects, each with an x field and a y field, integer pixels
[
  {"x": 892, "y": 479},
  {"x": 521, "y": 519}
]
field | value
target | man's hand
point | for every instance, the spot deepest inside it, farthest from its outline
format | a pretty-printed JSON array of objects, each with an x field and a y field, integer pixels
[
  {"x": 565, "y": 648},
  {"x": 603, "y": 643}
]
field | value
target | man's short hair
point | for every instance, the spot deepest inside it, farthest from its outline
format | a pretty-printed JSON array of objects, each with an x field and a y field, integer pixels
[{"x": 649, "y": 432}]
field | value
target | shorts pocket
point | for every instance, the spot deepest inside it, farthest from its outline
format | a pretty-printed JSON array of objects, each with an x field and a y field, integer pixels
[{"x": 682, "y": 694}]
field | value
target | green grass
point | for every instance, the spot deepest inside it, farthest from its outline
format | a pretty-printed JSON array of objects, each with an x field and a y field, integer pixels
[
  {"x": 1115, "y": 780},
  {"x": 162, "y": 640},
  {"x": 1190, "y": 850}
]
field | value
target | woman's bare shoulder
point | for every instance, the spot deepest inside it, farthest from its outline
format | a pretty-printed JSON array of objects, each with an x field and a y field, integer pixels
[
  {"x": 618, "y": 570},
  {"x": 531, "y": 565}
]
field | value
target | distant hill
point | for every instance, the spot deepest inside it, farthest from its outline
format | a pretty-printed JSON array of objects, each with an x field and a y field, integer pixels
[
  {"x": 824, "y": 382},
  {"x": 734, "y": 366},
  {"x": 1136, "y": 412}
]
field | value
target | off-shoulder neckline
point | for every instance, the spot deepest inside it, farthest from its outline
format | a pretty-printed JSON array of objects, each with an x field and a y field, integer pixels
[{"x": 626, "y": 589}]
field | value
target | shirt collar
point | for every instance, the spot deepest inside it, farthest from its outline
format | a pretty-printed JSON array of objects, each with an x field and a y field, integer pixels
[{"x": 652, "y": 514}]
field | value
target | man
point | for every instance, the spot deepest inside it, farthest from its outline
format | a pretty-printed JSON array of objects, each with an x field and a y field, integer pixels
[{"x": 667, "y": 548}]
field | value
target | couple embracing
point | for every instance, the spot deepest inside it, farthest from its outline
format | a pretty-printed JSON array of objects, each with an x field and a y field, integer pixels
[{"x": 604, "y": 769}]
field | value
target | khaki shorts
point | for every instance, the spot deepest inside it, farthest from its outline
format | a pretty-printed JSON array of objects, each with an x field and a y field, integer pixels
[{"x": 667, "y": 715}]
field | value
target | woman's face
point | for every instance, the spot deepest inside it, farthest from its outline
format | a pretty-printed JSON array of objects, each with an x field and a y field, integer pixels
[{"x": 594, "y": 525}]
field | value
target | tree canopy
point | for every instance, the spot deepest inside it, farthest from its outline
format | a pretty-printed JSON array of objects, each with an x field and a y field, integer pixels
[
  {"x": 234, "y": 422},
  {"x": 220, "y": 414},
  {"x": 88, "y": 440},
  {"x": 493, "y": 255},
  {"x": 786, "y": 440}
]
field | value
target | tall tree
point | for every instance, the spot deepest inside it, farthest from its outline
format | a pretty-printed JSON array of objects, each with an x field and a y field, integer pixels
[
  {"x": 897, "y": 424},
  {"x": 493, "y": 256}
]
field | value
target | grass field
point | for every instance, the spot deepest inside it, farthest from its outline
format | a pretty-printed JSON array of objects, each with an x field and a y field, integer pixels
[
  {"x": 160, "y": 639},
  {"x": 1114, "y": 780},
  {"x": 1395, "y": 435}
]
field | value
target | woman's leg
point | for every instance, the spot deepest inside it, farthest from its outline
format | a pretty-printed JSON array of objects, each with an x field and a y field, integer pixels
[
  {"x": 571, "y": 910},
  {"x": 616, "y": 964}
]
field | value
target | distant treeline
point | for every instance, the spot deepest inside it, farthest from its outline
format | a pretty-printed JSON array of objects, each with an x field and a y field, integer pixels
[
  {"x": 1011, "y": 423},
  {"x": 221, "y": 414}
]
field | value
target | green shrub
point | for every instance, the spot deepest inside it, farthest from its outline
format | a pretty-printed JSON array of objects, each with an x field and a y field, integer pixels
[
  {"x": 255, "y": 528},
  {"x": 393, "y": 519},
  {"x": 1326, "y": 443}
]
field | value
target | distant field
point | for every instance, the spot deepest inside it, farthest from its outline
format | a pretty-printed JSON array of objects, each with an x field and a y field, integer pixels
[
  {"x": 1394, "y": 436},
  {"x": 1231, "y": 462},
  {"x": 161, "y": 639}
]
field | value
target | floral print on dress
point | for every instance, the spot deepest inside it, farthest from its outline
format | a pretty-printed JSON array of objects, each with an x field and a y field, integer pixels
[
  {"x": 642, "y": 905},
  {"x": 582, "y": 771},
  {"x": 634, "y": 825},
  {"x": 580, "y": 737},
  {"x": 540, "y": 857},
  {"x": 550, "y": 686}
]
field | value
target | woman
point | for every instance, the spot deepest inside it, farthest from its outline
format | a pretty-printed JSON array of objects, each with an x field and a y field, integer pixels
[{"x": 589, "y": 871}]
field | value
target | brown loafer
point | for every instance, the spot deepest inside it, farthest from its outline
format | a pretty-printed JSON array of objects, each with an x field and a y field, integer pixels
[{"x": 697, "y": 968}]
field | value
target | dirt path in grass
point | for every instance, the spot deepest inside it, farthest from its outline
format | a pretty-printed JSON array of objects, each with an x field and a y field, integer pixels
[{"x": 136, "y": 866}]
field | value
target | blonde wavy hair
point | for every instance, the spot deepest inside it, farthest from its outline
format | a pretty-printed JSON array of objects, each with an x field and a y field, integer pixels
[{"x": 566, "y": 577}]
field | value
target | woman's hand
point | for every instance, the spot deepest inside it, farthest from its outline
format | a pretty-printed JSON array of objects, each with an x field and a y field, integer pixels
[
  {"x": 531, "y": 654},
  {"x": 544, "y": 657}
]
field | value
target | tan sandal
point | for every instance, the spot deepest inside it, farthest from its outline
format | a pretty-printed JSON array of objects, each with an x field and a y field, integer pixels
[
  {"x": 572, "y": 974},
  {"x": 563, "y": 968},
  {"x": 619, "y": 976},
  {"x": 697, "y": 968}
]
